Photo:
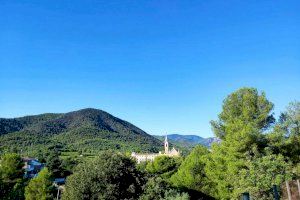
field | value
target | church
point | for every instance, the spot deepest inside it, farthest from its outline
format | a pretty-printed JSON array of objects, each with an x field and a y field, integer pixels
[{"x": 143, "y": 157}]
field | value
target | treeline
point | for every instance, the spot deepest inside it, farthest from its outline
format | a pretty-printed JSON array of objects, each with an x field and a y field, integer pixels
[
  {"x": 256, "y": 152},
  {"x": 83, "y": 139}
]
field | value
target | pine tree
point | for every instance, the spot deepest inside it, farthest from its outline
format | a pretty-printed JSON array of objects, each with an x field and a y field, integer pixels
[
  {"x": 191, "y": 173},
  {"x": 246, "y": 114},
  {"x": 40, "y": 187}
]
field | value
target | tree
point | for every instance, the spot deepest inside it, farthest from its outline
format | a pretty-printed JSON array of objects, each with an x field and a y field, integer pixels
[
  {"x": 40, "y": 187},
  {"x": 68, "y": 164},
  {"x": 261, "y": 173},
  {"x": 11, "y": 167},
  {"x": 292, "y": 118},
  {"x": 109, "y": 176},
  {"x": 245, "y": 116},
  {"x": 164, "y": 165},
  {"x": 191, "y": 173},
  {"x": 245, "y": 106},
  {"x": 285, "y": 138},
  {"x": 158, "y": 189},
  {"x": 54, "y": 164},
  {"x": 11, "y": 177}
]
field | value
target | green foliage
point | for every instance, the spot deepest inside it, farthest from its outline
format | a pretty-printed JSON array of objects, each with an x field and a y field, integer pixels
[
  {"x": 40, "y": 187},
  {"x": 163, "y": 165},
  {"x": 296, "y": 170},
  {"x": 173, "y": 194},
  {"x": 241, "y": 108},
  {"x": 285, "y": 139},
  {"x": 10, "y": 191},
  {"x": 191, "y": 173},
  {"x": 11, "y": 174},
  {"x": 260, "y": 174},
  {"x": 68, "y": 165},
  {"x": 11, "y": 167},
  {"x": 290, "y": 119},
  {"x": 110, "y": 176},
  {"x": 142, "y": 167},
  {"x": 158, "y": 189},
  {"x": 245, "y": 116},
  {"x": 54, "y": 164},
  {"x": 85, "y": 131}
]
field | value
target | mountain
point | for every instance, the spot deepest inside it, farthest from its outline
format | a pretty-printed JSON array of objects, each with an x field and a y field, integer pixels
[
  {"x": 189, "y": 140},
  {"x": 87, "y": 130}
]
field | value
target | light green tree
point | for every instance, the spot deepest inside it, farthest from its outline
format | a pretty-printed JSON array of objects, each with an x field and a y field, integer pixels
[
  {"x": 11, "y": 167},
  {"x": 191, "y": 173},
  {"x": 245, "y": 115},
  {"x": 164, "y": 166},
  {"x": 261, "y": 173},
  {"x": 40, "y": 187},
  {"x": 173, "y": 194},
  {"x": 285, "y": 138}
]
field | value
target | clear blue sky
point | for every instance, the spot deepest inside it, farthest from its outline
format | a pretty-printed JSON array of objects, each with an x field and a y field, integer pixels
[{"x": 164, "y": 66}]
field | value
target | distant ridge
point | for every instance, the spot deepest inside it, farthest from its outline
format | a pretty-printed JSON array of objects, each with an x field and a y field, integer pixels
[
  {"x": 88, "y": 130},
  {"x": 189, "y": 140}
]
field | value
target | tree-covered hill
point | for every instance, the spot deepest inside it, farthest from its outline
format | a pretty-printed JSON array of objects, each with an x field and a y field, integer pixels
[{"x": 87, "y": 130}]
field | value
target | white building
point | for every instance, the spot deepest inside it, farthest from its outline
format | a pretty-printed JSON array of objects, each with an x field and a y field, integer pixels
[{"x": 143, "y": 157}]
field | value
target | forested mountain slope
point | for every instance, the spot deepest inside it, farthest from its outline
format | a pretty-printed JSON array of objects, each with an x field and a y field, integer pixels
[{"x": 87, "y": 130}]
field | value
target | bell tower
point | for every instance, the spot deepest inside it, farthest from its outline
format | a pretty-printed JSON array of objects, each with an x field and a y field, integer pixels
[{"x": 166, "y": 144}]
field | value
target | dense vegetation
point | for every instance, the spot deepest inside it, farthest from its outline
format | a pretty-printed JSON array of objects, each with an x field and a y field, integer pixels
[
  {"x": 117, "y": 175},
  {"x": 11, "y": 177},
  {"x": 256, "y": 152},
  {"x": 40, "y": 187},
  {"x": 87, "y": 131},
  {"x": 253, "y": 146}
]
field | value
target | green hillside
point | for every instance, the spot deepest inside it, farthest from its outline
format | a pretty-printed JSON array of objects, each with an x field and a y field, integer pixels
[{"x": 88, "y": 130}]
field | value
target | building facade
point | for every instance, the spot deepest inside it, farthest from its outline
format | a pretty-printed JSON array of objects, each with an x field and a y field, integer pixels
[{"x": 143, "y": 157}]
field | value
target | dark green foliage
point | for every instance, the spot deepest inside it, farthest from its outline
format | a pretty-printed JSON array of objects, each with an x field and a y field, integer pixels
[
  {"x": 68, "y": 166},
  {"x": 158, "y": 189},
  {"x": 109, "y": 176},
  {"x": 87, "y": 130},
  {"x": 60, "y": 164},
  {"x": 11, "y": 177},
  {"x": 54, "y": 164},
  {"x": 33, "y": 123}
]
